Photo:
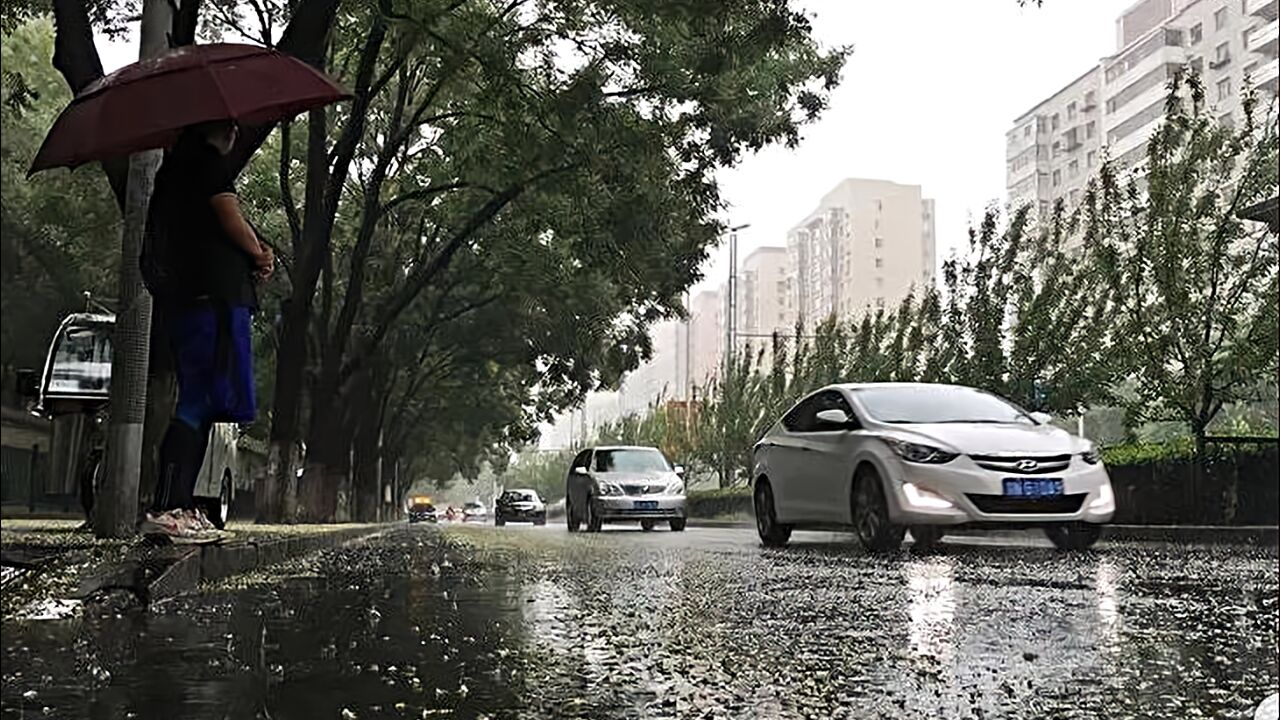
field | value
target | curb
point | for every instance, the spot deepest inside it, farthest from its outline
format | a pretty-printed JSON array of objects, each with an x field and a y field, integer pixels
[
  {"x": 172, "y": 571},
  {"x": 1174, "y": 534}
]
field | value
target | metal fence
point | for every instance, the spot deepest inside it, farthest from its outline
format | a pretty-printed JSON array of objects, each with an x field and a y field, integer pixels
[{"x": 24, "y": 475}]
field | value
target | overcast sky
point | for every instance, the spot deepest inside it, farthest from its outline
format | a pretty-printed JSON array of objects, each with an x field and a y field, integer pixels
[{"x": 927, "y": 95}]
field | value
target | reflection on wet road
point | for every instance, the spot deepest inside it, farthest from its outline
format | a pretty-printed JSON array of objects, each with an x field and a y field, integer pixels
[{"x": 473, "y": 622}]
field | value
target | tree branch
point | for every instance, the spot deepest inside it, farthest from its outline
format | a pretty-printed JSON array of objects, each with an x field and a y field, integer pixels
[{"x": 286, "y": 185}]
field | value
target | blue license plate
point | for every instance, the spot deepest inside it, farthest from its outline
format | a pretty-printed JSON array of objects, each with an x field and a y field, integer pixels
[
  {"x": 1037, "y": 487},
  {"x": 646, "y": 505}
]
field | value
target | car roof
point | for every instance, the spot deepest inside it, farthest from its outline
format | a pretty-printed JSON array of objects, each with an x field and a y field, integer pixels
[
  {"x": 867, "y": 386},
  {"x": 521, "y": 490},
  {"x": 626, "y": 447}
]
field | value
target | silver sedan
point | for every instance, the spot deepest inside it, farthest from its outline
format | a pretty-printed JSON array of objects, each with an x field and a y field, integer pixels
[{"x": 624, "y": 483}]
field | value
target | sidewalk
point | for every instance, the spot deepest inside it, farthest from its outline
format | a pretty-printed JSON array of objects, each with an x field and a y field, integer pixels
[
  {"x": 1183, "y": 534},
  {"x": 48, "y": 565}
]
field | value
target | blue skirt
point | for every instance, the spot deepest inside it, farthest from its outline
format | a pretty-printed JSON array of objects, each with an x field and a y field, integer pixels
[{"x": 213, "y": 351}]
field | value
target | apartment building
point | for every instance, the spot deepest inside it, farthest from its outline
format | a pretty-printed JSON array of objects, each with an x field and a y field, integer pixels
[
  {"x": 1116, "y": 106},
  {"x": 868, "y": 244},
  {"x": 706, "y": 335}
]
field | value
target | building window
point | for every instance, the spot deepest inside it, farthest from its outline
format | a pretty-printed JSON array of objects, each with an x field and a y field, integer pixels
[
  {"x": 1074, "y": 168},
  {"x": 1197, "y": 33},
  {"x": 879, "y": 262},
  {"x": 1091, "y": 159},
  {"x": 1221, "y": 54},
  {"x": 1026, "y": 130},
  {"x": 1248, "y": 69},
  {"x": 1071, "y": 111},
  {"x": 1057, "y": 178},
  {"x": 1244, "y": 39},
  {"x": 1219, "y": 18},
  {"x": 1053, "y": 122},
  {"x": 1224, "y": 89},
  {"x": 1090, "y": 99},
  {"x": 879, "y": 242},
  {"x": 1074, "y": 197},
  {"x": 879, "y": 282},
  {"x": 1197, "y": 65},
  {"x": 1226, "y": 121}
]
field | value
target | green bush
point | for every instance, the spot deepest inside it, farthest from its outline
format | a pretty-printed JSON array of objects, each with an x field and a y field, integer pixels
[{"x": 1149, "y": 452}]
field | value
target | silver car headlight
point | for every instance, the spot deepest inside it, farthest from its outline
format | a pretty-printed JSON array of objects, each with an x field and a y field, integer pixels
[
  {"x": 1091, "y": 456},
  {"x": 917, "y": 453},
  {"x": 675, "y": 487},
  {"x": 609, "y": 489}
]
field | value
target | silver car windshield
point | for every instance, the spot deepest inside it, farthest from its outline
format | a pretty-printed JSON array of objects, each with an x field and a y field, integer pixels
[
  {"x": 631, "y": 461},
  {"x": 938, "y": 404}
]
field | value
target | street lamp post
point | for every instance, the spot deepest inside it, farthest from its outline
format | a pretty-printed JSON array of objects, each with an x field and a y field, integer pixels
[{"x": 731, "y": 321}]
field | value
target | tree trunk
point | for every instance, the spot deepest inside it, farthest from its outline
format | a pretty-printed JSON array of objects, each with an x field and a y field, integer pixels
[
  {"x": 116, "y": 506},
  {"x": 275, "y": 498},
  {"x": 162, "y": 393}
]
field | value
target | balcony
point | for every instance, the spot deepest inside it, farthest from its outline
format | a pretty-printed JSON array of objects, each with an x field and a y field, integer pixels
[
  {"x": 1268, "y": 9},
  {"x": 1263, "y": 39},
  {"x": 1266, "y": 76}
]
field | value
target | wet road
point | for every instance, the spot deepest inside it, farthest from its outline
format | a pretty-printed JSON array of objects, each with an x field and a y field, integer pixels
[{"x": 522, "y": 622}]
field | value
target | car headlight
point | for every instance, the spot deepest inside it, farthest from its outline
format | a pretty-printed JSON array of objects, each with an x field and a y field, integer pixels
[
  {"x": 916, "y": 453},
  {"x": 609, "y": 489},
  {"x": 1091, "y": 456},
  {"x": 922, "y": 498},
  {"x": 676, "y": 487},
  {"x": 1105, "y": 497}
]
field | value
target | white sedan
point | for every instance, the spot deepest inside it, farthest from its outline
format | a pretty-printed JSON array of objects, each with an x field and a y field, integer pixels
[{"x": 884, "y": 457}]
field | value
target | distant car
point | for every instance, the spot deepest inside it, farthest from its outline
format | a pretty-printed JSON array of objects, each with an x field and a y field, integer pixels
[
  {"x": 422, "y": 512},
  {"x": 519, "y": 505},
  {"x": 453, "y": 513},
  {"x": 474, "y": 512},
  {"x": 884, "y": 457},
  {"x": 612, "y": 484}
]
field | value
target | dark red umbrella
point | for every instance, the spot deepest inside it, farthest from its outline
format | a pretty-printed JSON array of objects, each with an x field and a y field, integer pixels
[{"x": 145, "y": 105}]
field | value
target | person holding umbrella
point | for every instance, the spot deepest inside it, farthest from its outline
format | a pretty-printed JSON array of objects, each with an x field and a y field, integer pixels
[
  {"x": 200, "y": 258},
  {"x": 200, "y": 261}
]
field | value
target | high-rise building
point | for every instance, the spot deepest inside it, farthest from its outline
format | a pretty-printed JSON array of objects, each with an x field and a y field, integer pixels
[
  {"x": 867, "y": 245},
  {"x": 762, "y": 296},
  {"x": 706, "y": 336},
  {"x": 1116, "y": 106}
]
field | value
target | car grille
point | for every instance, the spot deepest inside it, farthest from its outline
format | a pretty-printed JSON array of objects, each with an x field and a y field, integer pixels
[
  {"x": 637, "y": 511},
  {"x": 1023, "y": 464},
  {"x": 643, "y": 489},
  {"x": 1002, "y": 505}
]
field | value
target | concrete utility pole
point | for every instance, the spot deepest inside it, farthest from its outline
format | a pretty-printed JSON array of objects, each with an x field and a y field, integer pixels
[
  {"x": 115, "y": 511},
  {"x": 688, "y": 344}
]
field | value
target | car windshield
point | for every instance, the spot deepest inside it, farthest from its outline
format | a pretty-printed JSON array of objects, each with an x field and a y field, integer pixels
[
  {"x": 636, "y": 460},
  {"x": 519, "y": 496},
  {"x": 937, "y": 404},
  {"x": 473, "y": 506}
]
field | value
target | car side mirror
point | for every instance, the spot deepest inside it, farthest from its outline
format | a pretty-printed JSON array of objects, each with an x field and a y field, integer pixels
[
  {"x": 28, "y": 385},
  {"x": 680, "y": 470},
  {"x": 838, "y": 418},
  {"x": 581, "y": 471},
  {"x": 1042, "y": 418}
]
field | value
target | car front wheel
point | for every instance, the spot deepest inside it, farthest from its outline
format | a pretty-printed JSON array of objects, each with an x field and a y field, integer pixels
[
  {"x": 1073, "y": 536},
  {"x": 926, "y": 538},
  {"x": 772, "y": 534},
  {"x": 871, "y": 515},
  {"x": 647, "y": 525},
  {"x": 677, "y": 524}
]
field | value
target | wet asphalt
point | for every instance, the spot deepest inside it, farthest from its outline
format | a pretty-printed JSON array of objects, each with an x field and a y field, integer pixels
[{"x": 524, "y": 622}]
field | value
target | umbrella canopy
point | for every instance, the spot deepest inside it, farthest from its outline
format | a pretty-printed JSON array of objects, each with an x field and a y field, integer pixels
[{"x": 147, "y": 104}]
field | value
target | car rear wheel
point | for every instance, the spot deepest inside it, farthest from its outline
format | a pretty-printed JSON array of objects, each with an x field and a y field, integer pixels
[
  {"x": 926, "y": 538},
  {"x": 871, "y": 515},
  {"x": 499, "y": 521},
  {"x": 1073, "y": 536},
  {"x": 772, "y": 534},
  {"x": 541, "y": 520},
  {"x": 594, "y": 523},
  {"x": 677, "y": 524},
  {"x": 647, "y": 525}
]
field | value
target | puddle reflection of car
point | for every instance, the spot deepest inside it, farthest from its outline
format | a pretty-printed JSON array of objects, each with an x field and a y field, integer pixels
[
  {"x": 519, "y": 506},
  {"x": 422, "y": 511},
  {"x": 474, "y": 512}
]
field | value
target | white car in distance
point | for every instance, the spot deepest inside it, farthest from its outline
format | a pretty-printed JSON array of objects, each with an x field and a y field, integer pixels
[{"x": 882, "y": 458}]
